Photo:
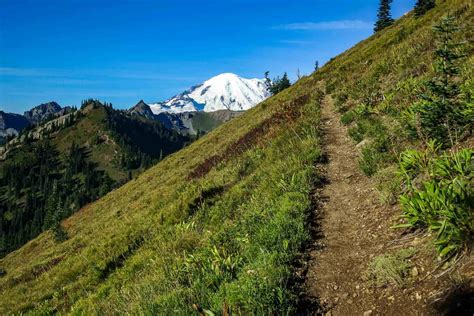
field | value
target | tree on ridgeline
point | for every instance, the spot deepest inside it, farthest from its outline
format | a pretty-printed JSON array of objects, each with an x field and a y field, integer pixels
[
  {"x": 423, "y": 6},
  {"x": 316, "y": 66},
  {"x": 384, "y": 16}
]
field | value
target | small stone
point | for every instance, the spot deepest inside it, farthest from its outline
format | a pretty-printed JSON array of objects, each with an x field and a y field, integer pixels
[
  {"x": 335, "y": 287},
  {"x": 328, "y": 314},
  {"x": 354, "y": 295},
  {"x": 362, "y": 144},
  {"x": 349, "y": 301},
  {"x": 414, "y": 272},
  {"x": 368, "y": 313},
  {"x": 391, "y": 298},
  {"x": 418, "y": 296},
  {"x": 345, "y": 295},
  {"x": 357, "y": 287}
]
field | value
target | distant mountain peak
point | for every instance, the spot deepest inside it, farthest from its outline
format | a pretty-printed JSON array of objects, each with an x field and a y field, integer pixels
[
  {"x": 42, "y": 112},
  {"x": 226, "y": 91},
  {"x": 142, "y": 109}
]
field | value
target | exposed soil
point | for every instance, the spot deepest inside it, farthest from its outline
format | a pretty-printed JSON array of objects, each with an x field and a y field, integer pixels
[{"x": 356, "y": 227}]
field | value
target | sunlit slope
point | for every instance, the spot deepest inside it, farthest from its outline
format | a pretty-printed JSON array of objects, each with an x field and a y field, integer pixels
[
  {"x": 220, "y": 223},
  {"x": 237, "y": 198},
  {"x": 386, "y": 73}
]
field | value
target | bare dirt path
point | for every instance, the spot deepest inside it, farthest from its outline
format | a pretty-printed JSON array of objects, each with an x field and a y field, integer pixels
[{"x": 356, "y": 228}]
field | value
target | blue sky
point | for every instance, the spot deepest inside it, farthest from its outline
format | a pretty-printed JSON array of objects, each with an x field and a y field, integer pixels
[{"x": 123, "y": 51}]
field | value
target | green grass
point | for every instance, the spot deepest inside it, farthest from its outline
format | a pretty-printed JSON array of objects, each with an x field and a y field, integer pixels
[{"x": 226, "y": 239}]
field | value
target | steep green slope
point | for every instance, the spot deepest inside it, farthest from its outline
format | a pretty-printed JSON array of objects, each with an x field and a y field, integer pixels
[
  {"x": 252, "y": 206},
  {"x": 221, "y": 223}
]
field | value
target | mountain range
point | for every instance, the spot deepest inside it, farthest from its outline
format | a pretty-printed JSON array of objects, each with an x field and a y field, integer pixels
[
  {"x": 203, "y": 107},
  {"x": 192, "y": 122},
  {"x": 190, "y": 112},
  {"x": 11, "y": 124}
]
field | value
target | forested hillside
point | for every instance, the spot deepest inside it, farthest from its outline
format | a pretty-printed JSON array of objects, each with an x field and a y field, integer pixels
[
  {"x": 224, "y": 226},
  {"x": 51, "y": 171}
]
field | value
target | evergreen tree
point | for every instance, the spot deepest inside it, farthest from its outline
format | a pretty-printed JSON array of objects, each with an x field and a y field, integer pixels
[
  {"x": 423, "y": 6},
  {"x": 285, "y": 82},
  {"x": 384, "y": 17},
  {"x": 280, "y": 84},
  {"x": 51, "y": 207},
  {"x": 268, "y": 82},
  {"x": 442, "y": 112},
  {"x": 316, "y": 66},
  {"x": 58, "y": 231}
]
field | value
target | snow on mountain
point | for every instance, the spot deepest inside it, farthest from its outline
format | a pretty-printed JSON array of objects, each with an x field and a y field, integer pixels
[{"x": 223, "y": 92}]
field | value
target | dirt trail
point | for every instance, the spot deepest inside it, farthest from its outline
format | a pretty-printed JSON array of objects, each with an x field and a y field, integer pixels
[{"x": 355, "y": 228}]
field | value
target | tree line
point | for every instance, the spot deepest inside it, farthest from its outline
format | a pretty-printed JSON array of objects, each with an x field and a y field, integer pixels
[
  {"x": 384, "y": 16},
  {"x": 40, "y": 187}
]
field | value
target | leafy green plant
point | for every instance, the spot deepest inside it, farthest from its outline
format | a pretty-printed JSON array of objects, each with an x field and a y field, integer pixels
[{"x": 440, "y": 195}]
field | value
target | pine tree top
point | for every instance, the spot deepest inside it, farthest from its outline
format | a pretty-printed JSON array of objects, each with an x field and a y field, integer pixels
[{"x": 384, "y": 16}]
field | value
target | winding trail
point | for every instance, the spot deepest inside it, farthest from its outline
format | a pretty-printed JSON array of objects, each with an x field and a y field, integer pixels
[{"x": 355, "y": 228}]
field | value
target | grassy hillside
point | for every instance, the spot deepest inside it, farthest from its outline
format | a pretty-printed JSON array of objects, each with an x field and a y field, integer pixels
[
  {"x": 154, "y": 229},
  {"x": 220, "y": 224}
]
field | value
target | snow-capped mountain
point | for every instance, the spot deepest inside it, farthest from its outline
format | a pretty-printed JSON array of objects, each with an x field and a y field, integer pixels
[{"x": 223, "y": 92}]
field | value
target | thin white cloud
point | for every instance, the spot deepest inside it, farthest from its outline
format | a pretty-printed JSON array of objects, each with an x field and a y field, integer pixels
[
  {"x": 87, "y": 73},
  {"x": 297, "y": 42},
  {"x": 327, "y": 25}
]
